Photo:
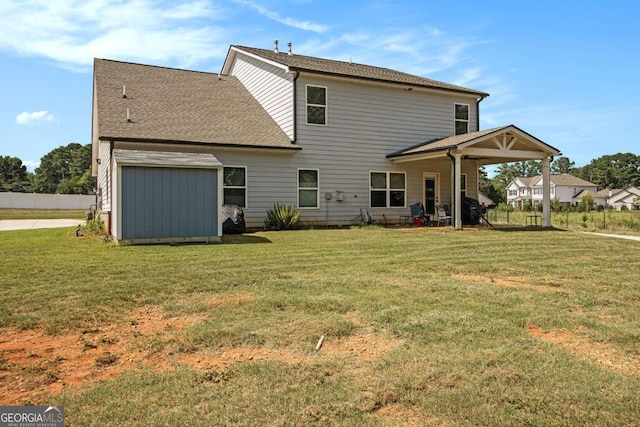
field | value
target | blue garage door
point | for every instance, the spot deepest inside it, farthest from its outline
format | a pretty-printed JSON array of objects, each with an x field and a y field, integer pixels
[{"x": 169, "y": 203}]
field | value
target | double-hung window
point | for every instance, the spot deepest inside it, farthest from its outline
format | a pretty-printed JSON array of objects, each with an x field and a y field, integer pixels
[
  {"x": 462, "y": 118},
  {"x": 388, "y": 189},
  {"x": 308, "y": 188},
  {"x": 234, "y": 186},
  {"x": 316, "y": 105}
]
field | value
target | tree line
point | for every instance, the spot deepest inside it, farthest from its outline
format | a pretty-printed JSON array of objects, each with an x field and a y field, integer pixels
[
  {"x": 64, "y": 170},
  {"x": 617, "y": 171}
]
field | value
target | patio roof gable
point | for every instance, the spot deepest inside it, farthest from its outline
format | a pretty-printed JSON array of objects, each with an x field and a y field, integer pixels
[{"x": 496, "y": 145}]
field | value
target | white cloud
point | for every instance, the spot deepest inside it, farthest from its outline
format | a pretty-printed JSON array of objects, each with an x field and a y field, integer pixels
[
  {"x": 73, "y": 32},
  {"x": 31, "y": 165},
  {"x": 290, "y": 22},
  {"x": 425, "y": 51},
  {"x": 34, "y": 118}
]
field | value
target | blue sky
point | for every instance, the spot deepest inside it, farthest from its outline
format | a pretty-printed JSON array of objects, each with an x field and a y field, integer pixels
[{"x": 564, "y": 71}]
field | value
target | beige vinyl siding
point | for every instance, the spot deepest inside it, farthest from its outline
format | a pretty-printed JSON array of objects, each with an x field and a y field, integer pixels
[
  {"x": 271, "y": 86},
  {"x": 366, "y": 122},
  {"x": 104, "y": 171}
]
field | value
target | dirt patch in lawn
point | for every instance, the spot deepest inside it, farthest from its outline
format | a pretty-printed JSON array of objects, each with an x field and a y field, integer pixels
[
  {"x": 403, "y": 415},
  {"x": 34, "y": 365},
  {"x": 596, "y": 352},
  {"x": 513, "y": 282}
]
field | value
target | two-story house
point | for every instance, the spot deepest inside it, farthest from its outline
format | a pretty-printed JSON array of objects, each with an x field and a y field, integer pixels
[
  {"x": 171, "y": 146},
  {"x": 564, "y": 187}
]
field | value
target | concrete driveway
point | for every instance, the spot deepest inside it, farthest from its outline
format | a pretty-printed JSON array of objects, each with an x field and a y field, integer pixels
[{"x": 28, "y": 224}]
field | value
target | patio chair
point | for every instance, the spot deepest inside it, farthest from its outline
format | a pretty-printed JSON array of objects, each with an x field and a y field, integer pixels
[
  {"x": 443, "y": 217},
  {"x": 418, "y": 217}
]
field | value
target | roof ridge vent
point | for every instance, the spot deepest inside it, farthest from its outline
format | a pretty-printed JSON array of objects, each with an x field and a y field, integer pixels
[
  {"x": 289, "y": 45},
  {"x": 275, "y": 49}
]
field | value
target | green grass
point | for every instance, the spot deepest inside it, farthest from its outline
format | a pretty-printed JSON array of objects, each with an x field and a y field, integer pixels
[
  {"x": 608, "y": 221},
  {"x": 42, "y": 213},
  {"x": 457, "y": 307}
]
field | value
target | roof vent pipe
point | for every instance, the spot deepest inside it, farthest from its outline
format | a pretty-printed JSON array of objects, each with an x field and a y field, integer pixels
[
  {"x": 124, "y": 91},
  {"x": 275, "y": 49},
  {"x": 128, "y": 116},
  {"x": 290, "y": 52}
]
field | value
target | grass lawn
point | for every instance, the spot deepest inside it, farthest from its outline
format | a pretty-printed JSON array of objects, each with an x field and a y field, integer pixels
[
  {"x": 421, "y": 327},
  {"x": 42, "y": 213}
]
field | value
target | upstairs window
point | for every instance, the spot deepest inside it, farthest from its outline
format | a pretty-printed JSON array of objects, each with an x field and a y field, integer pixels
[
  {"x": 316, "y": 105},
  {"x": 235, "y": 186},
  {"x": 308, "y": 189},
  {"x": 462, "y": 118},
  {"x": 388, "y": 189}
]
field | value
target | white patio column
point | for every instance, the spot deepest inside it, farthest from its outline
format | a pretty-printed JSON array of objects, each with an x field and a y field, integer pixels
[
  {"x": 456, "y": 190},
  {"x": 546, "y": 193}
]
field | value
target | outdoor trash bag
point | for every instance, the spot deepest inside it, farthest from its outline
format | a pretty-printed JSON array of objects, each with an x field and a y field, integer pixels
[{"x": 234, "y": 220}]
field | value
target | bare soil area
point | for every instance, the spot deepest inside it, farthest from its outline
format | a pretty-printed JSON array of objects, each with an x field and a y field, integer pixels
[
  {"x": 593, "y": 351},
  {"x": 34, "y": 365}
]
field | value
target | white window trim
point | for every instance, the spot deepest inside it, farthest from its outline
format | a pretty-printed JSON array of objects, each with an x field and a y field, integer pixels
[
  {"x": 317, "y": 188},
  {"x": 455, "y": 119},
  {"x": 326, "y": 106},
  {"x": 388, "y": 190},
  {"x": 246, "y": 184}
]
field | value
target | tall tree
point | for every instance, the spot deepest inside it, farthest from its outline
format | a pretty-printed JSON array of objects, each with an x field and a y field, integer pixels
[
  {"x": 13, "y": 175},
  {"x": 562, "y": 165},
  {"x": 65, "y": 170},
  {"x": 620, "y": 170}
]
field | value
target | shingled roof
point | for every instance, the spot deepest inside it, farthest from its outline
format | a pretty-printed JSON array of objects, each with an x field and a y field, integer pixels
[
  {"x": 311, "y": 64},
  {"x": 173, "y": 105}
]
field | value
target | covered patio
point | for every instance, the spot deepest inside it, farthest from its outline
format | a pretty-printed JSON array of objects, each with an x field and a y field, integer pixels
[{"x": 492, "y": 146}]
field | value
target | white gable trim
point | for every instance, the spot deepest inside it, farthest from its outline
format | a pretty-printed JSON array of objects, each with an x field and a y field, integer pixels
[{"x": 233, "y": 51}]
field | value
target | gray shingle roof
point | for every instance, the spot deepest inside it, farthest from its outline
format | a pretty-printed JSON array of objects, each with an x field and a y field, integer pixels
[
  {"x": 168, "y": 104},
  {"x": 565, "y": 179},
  {"x": 354, "y": 70}
]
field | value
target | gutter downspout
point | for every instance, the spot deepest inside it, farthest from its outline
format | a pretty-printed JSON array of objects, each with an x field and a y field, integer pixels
[
  {"x": 453, "y": 186},
  {"x": 295, "y": 107},
  {"x": 478, "y": 111}
]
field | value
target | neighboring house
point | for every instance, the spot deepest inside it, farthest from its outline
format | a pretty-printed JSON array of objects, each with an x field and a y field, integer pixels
[
  {"x": 629, "y": 197},
  {"x": 564, "y": 187},
  {"x": 171, "y": 146}
]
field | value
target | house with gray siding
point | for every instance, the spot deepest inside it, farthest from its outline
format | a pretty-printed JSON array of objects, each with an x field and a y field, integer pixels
[{"x": 172, "y": 146}]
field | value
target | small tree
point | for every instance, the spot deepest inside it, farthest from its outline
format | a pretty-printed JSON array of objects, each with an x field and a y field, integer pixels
[{"x": 586, "y": 204}]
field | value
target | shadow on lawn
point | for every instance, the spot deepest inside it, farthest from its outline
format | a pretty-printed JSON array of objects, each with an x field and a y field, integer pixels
[
  {"x": 525, "y": 228},
  {"x": 241, "y": 239}
]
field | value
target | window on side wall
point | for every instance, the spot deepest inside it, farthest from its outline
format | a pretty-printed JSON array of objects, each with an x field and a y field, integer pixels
[
  {"x": 308, "y": 188},
  {"x": 234, "y": 186},
  {"x": 316, "y": 105},
  {"x": 388, "y": 189},
  {"x": 462, "y": 118}
]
